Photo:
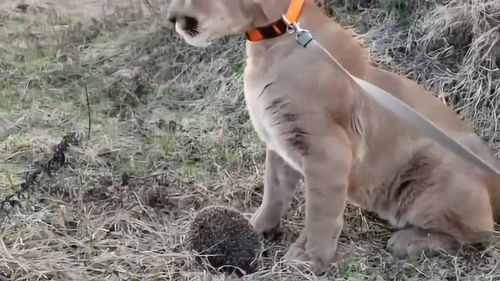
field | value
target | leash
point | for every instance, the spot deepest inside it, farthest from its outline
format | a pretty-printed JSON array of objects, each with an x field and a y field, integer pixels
[
  {"x": 426, "y": 127},
  {"x": 396, "y": 106}
]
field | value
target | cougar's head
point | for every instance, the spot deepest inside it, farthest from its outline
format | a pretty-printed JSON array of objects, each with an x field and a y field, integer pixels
[{"x": 201, "y": 21}]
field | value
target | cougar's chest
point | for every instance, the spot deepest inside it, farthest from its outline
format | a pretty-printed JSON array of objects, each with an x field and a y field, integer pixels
[
  {"x": 265, "y": 126},
  {"x": 257, "y": 115},
  {"x": 265, "y": 97}
]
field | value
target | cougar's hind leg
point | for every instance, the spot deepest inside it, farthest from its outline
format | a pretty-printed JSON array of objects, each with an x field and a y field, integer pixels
[{"x": 446, "y": 216}]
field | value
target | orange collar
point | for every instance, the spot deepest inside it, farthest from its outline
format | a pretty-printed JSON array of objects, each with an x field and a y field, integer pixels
[{"x": 278, "y": 27}]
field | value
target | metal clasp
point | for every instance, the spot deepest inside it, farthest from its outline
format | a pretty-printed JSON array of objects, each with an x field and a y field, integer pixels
[
  {"x": 303, "y": 36},
  {"x": 290, "y": 27}
]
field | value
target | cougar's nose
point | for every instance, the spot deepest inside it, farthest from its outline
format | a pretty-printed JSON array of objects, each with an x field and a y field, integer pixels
[
  {"x": 172, "y": 15},
  {"x": 172, "y": 19}
]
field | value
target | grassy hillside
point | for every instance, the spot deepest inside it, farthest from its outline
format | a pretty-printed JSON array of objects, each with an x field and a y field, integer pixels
[{"x": 169, "y": 134}]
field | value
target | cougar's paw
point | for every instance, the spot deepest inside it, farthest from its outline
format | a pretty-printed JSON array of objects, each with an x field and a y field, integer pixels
[
  {"x": 265, "y": 223},
  {"x": 413, "y": 242},
  {"x": 317, "y": 253}
]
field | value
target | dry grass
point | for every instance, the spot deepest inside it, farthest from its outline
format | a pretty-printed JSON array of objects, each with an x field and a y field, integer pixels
[
  {"x": 453, "y": 49},
  {"x": 170, "y": 135}
]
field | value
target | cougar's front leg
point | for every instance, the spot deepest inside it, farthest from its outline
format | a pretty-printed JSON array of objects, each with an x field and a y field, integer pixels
[
  {"x": 280, "y": 183},
  {"x": 326, "y": 166}
]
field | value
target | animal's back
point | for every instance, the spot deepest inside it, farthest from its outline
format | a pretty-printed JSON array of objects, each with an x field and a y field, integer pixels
[{"x": 347, "y": 49}]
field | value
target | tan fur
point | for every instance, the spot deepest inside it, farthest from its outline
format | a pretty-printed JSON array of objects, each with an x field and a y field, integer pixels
[{"x": 320, "y": 127}]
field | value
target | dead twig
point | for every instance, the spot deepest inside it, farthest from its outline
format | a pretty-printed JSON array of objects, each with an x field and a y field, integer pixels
[
  {"x": 33, "y": 177},
  {"x": 89, "y": 113}
]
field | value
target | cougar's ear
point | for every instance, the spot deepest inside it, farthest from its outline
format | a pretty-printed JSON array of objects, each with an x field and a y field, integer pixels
[{"x": 273, "y": 9}]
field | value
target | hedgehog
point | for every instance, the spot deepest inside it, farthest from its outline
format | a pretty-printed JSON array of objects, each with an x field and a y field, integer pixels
[{"x": 225, "y": 239}]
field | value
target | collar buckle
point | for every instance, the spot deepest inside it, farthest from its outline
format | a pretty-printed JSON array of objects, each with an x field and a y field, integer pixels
[{"x": 287, "y": 24}]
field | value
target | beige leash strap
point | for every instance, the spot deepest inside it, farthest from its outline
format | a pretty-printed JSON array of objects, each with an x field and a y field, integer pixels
[{"x": 399, "y": 108}]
